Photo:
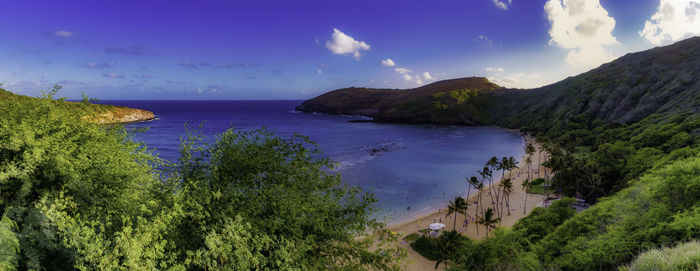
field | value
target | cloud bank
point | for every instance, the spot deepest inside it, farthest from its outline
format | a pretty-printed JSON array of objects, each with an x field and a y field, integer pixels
[
  {"x": 583, "y": 27},
  {"x": 674, "y": 20}
]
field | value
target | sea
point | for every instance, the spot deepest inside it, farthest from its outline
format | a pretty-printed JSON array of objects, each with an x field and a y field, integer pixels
[{"x": 410, "y": 169}]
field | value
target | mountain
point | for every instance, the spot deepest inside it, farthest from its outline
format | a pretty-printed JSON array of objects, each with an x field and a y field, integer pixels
[
  {"x": 657, "y": 81},
  {"x": 456, "y": 101},
  {"x": 99, "y": 113}
]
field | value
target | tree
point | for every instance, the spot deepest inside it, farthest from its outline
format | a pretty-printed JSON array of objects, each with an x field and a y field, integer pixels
[
  {"x": 458, "y": 206},
  {"x": 448, "y": 245},
  {"x": 473, "y": 181},
  {"x": 486, "y": 173},
  {"x": 507, "y": 189},
  {"x": 488, "y": 220},
  {"x": 493, "y": 165},
  {"x": 512, "y": 164},
  {"x": 480, "y": 187},
  {"x": 526, "y": 188}
]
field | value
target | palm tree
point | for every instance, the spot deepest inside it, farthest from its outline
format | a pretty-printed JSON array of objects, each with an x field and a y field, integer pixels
[
  {"x": 486, "y": 172},
  {"x": 507, "y": 189},
  {"x": 526, "y": 186},
  {"x": 540, "y": 140},
  {"x": 528, "y": 161},
  {"x": 493, "y": 166},
  {"x": 458, "y": 206},
  {"x": 512, "y": 164},
  {"x": 480, "y": 187},
  {"x": 529, "y": 150},
  {"x": 488, "y": 221},
  {"x": 471, "y": 182},
  {"x": 447, "y": 244}
]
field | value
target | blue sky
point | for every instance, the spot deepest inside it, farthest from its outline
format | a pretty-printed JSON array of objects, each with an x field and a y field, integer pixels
[{"x": 299, "y": 49}]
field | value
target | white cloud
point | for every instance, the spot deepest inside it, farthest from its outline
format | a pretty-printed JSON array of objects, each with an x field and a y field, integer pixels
[
  {"x": 402, "y": 70},
  {"x": 674, "y": 20},
  {"x": 495, "y": 69},
  {"x": 319, "y": 71},
  {"x": 388, "y": 62},
  {"x": 502, "y": 4},
  {"x": 485, "y": 40},
  {"x": 407, "y": 77},
  {"x": 342, "y": 44},
  {"x": 519, "y": 80},
  {"x": 427, "y": 76},
  {"x": 419, "y": 81},
  {"x": 583, "y": 27},
  {"x": 63, "y": 34}
]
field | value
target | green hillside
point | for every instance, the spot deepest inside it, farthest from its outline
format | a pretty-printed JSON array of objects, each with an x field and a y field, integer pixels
[
  {"x": 657, "y": 81},
  {"x": 624, "y": 136},
  {"x": 459, "y": 101}
]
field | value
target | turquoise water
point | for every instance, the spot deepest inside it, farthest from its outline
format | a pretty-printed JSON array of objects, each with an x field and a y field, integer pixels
[{"x": 409, "y": 168}]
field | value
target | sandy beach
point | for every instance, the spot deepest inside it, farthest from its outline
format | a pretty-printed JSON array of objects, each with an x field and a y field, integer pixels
[{"x": 414, "y": 261}]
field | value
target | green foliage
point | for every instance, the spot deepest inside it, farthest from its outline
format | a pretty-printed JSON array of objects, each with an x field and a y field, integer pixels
[
  {"x": 683, "y": 257},
  {"x": 77, "y": 195},
  {"x": 426, "y": 247},
  {"x": 9, "y": 244},
  {"x": 411, "y": 237},
  {"x": 660, "y": 209},
  {"x": 504, "y": 250},
  {"x": 444, "y": 248},
  {"x": 542, "y": 221}
]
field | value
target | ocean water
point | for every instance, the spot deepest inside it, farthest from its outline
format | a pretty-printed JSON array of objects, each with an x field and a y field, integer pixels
[{"x": 409, "y": 168}]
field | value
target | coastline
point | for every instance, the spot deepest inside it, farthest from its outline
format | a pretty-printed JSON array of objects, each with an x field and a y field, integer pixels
[
  {"x": 433, "y": 210},
  {"x": 421, "y": 219}
]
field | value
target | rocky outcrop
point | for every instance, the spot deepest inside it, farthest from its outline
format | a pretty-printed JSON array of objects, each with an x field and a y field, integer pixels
[{"x": 121, "y": 115}]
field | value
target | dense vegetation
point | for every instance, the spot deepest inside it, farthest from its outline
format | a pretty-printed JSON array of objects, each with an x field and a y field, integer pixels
[
  {"x": 624, "y": 135},
  {"x": 683, "y": 257},
  {"x": 642, "y": 169},
  {"x": 77, "y": 195},
  {"x": 86, "y": 108}
]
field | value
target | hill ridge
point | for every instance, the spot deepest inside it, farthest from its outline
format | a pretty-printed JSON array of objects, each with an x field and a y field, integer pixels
[{"x": 655, "y": 81}]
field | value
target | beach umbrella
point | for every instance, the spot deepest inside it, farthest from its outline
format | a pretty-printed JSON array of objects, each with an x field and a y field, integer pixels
[{"x": 437, "y": 226}]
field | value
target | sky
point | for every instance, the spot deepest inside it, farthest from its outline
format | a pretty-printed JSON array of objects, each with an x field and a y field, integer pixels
[{"x": 299, "y": 49}]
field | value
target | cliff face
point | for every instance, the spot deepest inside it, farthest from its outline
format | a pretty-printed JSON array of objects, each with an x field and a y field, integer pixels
[
  {"x": 657, "y": 81},
  {"x": 121, "y": 115}
]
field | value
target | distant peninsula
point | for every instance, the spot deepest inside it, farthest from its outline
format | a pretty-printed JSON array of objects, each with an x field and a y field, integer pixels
[{"x": 97, "y": 113}]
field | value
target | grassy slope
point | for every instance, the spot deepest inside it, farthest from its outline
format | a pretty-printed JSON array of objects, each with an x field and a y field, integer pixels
[
  {"x": 657, "y": 81},
  {"x": 685, "y": 256},
  {"x": 449, "y": 101},
  {"x": 101, "y": 113}
]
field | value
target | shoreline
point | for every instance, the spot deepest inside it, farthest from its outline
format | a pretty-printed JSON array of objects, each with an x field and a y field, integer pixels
[
  {"x": 432, "y": 210},
  {"x": 421, "y": 219}
]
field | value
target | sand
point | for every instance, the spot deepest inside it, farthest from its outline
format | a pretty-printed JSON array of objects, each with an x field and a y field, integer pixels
[{"x": 415, "y": 261}]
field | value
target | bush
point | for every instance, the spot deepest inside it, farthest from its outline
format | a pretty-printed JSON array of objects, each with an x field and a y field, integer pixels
[
  {"x": 427, "y": 248},
  {"x": 683, "y": 257}
]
